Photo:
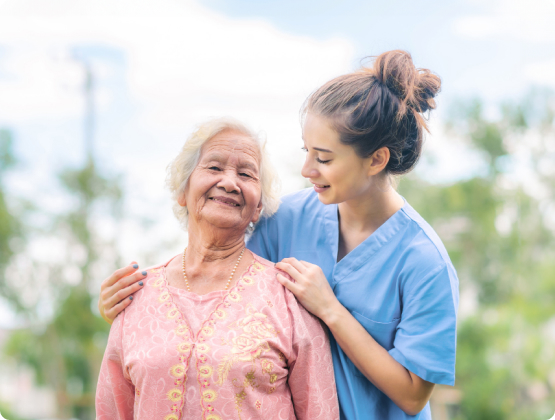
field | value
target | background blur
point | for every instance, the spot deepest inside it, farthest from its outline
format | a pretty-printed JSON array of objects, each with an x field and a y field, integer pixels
[{"x": 96, "y": 97}]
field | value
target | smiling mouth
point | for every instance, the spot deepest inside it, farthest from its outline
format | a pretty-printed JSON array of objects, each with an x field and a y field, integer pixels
[
  {"x": 225, "y": 201},
  {"x": 320, "y": 185}
]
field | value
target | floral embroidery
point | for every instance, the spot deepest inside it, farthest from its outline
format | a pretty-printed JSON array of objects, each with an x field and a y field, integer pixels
[
  {"x": 175, "y": 395},
  {"x": 250, "y": 380},
  {"x": 249, "y": 345},
  {"x": 266, "y": 365},
  {"x": 209, "y": 395},
  {"x": 272, "y": 389},
  {"x": 239, "y": 398},
  {"x": 205, "y": 371},
  {"x": 258, "y": 404},
  {"x": 203, "y": 348},
  {"x": 178, "y": 371}
]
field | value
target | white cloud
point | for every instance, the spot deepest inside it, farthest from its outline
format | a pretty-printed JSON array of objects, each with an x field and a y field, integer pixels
[
  {"x": 514, "y": 19},
  {"x": 542, "y": 72},
  {"x": 179, "y": 54},
  {"x": 182, "y": 64}
]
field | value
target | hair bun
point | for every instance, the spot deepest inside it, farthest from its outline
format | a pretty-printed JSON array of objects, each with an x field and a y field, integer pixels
[{"x": 416, "y": 88}]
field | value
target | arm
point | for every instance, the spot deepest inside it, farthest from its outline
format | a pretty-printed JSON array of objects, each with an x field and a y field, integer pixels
[
  {"x": 115, "y": 394},
  {"x": 410, "y": 392},
  {"x": 311, "y": 378},
  {"x": 116, "y": 291}
]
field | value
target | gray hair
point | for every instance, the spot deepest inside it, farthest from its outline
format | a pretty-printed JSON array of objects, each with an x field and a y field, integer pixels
[{"x": 181, "y": 168}]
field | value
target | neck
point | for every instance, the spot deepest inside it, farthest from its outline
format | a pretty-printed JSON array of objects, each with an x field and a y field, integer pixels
[
  {"x": 368, "y": 212},
  {"x": 212, "y": 245}
]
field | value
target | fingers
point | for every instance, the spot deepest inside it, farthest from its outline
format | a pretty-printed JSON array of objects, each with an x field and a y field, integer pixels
[
  {"x": 118, "y": 274},
  {"x": 293, "y": 288},
  {"x": 117, "y": 289},
  {"x": 299, "y": 266},
  {"x": 121, "y": 290},
  {"x": 111, "y": 314}
]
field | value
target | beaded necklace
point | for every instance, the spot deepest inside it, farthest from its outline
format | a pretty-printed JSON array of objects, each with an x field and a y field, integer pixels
[{"x": 230, "y": 277}]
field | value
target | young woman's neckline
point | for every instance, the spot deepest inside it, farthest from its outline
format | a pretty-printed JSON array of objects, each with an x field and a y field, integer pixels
[{"x": 376, "y": 232}]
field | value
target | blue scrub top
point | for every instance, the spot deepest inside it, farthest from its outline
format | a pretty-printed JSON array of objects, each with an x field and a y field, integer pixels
[{"x": 399, "y": 284}]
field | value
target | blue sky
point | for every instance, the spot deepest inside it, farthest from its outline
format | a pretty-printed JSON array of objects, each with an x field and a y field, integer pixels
[
  {"x": 486, "y": 49},
  {"x": 161, "y": 66}
]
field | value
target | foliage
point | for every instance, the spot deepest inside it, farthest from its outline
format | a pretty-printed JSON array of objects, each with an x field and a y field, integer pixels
[
  {"x": 10, "y": 227},
  {"x": 495, "y": 227},
  {"x": 66, "y": 351}
]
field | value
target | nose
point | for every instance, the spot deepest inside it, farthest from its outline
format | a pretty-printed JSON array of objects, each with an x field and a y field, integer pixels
[
  {"x": 228, "y": 182},
  {"x": 309, "y": 170}
]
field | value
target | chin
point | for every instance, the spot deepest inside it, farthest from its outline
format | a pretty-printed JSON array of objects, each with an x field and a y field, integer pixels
[{"x": 326, "y": 198}]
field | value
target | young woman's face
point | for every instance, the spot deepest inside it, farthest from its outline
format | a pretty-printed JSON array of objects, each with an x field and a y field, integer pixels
[{"x": 336, "y": 171}]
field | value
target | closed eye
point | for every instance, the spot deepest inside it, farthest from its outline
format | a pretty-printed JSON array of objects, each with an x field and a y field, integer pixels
[
  {"x": 323, "y": 161},
  {"x": 214, "y": 168},
  {"x": 245, "y": 174}
]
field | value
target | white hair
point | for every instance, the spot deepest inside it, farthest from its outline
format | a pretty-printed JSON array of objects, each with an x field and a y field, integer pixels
[{"x": 181, "y": 168}]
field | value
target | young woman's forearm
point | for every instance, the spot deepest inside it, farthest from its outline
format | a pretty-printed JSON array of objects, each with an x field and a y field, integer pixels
[{"x": 407, "y": 390}]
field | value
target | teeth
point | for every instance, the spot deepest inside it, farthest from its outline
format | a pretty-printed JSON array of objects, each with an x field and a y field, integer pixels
[{"x": 225, "y": 202}]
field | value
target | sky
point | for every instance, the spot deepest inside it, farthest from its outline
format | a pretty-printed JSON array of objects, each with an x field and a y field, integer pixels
[{"x": 160, "y": 67}]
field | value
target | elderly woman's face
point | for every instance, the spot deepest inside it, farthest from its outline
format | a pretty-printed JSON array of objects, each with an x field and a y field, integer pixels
[{"x": 224, "y": 189}]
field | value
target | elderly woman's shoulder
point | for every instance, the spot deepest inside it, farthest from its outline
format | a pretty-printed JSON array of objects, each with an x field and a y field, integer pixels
[
  {"x": 153, "y": 285},
  {"x": 270, "y": 272}
]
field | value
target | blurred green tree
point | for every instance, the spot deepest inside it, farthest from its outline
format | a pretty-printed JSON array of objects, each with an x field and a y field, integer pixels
[
  {"x": 10, "y": 228},
  {"x": 498, "y": 228},
  {"x": 66, "y": 350}
]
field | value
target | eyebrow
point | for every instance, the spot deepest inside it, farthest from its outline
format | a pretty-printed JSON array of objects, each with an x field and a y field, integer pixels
[
  {"x": 249, "y": 165},
  {"x": 322, "y": 150},
  {"x": 215, "y": 156}
]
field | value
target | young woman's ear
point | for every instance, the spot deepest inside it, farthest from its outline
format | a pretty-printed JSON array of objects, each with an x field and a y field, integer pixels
[{"x": 378, "y": 161}]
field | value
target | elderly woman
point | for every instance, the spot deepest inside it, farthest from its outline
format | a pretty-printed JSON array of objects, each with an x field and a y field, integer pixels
[{"x": 212, "y": 334}]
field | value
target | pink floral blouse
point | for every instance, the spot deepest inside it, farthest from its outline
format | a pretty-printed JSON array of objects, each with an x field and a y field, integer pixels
[{"x": 252, "y": 352}]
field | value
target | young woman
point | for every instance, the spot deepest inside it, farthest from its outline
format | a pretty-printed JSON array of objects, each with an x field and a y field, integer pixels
[{"x": 361, "y": 257}]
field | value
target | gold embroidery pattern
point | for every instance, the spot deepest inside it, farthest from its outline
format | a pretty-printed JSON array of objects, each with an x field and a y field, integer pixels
[
  {"x": 178, "y": 371},
  {"x": 251, "y": 344},
  {"x": 253, "y": 324},
  {"x": 204, "y": 370}
]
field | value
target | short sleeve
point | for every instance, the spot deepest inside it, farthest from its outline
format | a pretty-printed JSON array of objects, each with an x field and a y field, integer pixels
[
  {"x": 425, "y": 340},
  {"x": 311, "y": 377},
  {"x": 115, "y": 394}
]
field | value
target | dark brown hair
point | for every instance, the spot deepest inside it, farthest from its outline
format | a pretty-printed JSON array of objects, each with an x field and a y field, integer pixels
[{"x": 380, "y": 106}]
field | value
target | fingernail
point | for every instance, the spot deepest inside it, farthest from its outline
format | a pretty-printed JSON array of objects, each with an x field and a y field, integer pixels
[
  {"x": 140, "y": 283},
  {"x": 135, "y": 265},
  {"x": 130, "y": 297},
  {"x": 144, "y": 273}
]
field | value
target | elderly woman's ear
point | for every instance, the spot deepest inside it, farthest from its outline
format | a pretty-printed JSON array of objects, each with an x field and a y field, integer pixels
[
  {"x": 181, "y": 200},
  {"x": 256, "y": 215}
]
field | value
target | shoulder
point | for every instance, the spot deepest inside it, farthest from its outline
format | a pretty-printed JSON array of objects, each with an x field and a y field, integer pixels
[
  {"x": 151, "y": 290},
  {"x": 426, "y": 260},
  {"x": 423, "y": 244},
  {"x": 294, "y": 204},
  {"x": 270, "y": 272},
  {"x": 293, "y": 305}
]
